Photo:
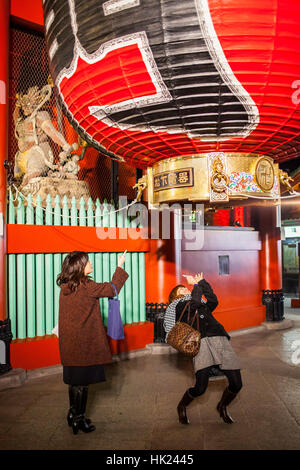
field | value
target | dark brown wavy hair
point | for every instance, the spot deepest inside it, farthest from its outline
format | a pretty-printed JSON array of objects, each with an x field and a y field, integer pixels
[
  {"x": 173, "y": 294},
  {"x": 72, "y": 270}
]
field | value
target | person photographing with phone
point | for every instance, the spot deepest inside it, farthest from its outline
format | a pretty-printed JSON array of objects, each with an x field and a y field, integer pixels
[
  {"x": 215, "y": 349},
  {"x": 83, "y": 344}
]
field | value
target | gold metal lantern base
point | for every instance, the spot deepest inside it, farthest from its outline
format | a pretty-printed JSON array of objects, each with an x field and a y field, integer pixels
[{"x": 217, "y": 178}]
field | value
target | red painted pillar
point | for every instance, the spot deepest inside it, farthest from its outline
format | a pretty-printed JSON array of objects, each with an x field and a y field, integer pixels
[
  {"x": 162, "y": 271},
  {"x": 4, "y": 37},
  {"x": 268, "y": 224},
  {"x": 239, "y": 216},
  {"x": 222, "y": 218}
]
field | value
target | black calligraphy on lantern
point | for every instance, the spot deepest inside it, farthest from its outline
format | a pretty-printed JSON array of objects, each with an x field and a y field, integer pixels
[{"x": 174, "y": 179}]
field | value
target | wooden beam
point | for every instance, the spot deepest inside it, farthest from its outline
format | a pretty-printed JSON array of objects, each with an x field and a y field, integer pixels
[{"x": 64, "y": 239}]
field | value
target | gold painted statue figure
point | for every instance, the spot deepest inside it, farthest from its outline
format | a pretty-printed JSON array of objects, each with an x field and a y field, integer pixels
[
  {"x": 285, "y": 180},
  {"x": 33, "y": 128}
]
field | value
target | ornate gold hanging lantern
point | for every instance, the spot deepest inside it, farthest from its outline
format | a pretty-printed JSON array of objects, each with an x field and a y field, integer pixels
[{"x": 215, "y": 177}]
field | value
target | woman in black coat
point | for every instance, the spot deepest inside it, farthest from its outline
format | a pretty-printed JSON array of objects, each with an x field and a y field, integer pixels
[{"x": 215, "y": 349}]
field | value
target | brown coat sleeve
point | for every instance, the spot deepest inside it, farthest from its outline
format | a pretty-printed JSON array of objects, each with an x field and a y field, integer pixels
[{"x": 105, "y": 289}]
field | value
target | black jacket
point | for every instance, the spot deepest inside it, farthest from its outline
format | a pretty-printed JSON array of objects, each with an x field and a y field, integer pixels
[{"x": 208, "y": 325}]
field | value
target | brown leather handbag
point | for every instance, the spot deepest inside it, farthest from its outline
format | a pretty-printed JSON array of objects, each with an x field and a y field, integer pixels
[{"x": 183, "y": 336}]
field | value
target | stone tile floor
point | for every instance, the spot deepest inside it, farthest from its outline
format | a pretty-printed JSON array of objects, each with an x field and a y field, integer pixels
[{"x": 135, "y": 408}]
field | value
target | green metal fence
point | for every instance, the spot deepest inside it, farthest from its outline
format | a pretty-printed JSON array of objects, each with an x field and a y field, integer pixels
[{"x": 32, "y": 293}]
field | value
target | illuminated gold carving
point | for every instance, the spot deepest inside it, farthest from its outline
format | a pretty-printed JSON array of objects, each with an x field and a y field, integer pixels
[
  {"x": 218, "y": 177},
  {"x": 264, "y": 174},
  {"x": 219, "y": 181},
  {"x": 285, "y": 180},
  {"x": 140, "y": 186}
]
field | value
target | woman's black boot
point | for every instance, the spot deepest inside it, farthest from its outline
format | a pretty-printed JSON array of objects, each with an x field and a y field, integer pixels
[
  {"x": 79, "y": 420},
  {"x": 227, "y": 398},
  {"x": 181, "y": 408},
  {"x": 72, "y": 411}
]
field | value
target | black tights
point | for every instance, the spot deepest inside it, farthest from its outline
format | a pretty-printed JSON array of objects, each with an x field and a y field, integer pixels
[{"x": 202, "y": 377}]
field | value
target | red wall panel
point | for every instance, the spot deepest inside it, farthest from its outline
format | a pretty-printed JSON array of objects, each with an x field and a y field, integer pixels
[{"x": 29, "y": 11}]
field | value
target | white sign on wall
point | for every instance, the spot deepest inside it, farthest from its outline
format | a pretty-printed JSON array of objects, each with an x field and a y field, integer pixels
[{"x": 292, "y": 232}]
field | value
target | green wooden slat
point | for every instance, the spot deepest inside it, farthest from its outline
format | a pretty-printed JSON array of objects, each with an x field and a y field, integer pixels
[
  {"x": 74, "y": 217},
  {"x": 11, "y": 213},
  {"x": 82, "y": 213},
  {"x": 128, "y": 289},
  {"x": 98, "y": 267},
  {"x": 105, "y": 218},
  {"x": 21, "y": 280},
  {"x": 105, "y": 264},
  {"x": 40, "y": 295},
  {"x": 135, "y": 281},
  {"x": 105, "y": 278},
  {"x": 29, "y": 211},
  {"x": 49, "y": 211},
  {"x": 65, "y": 212},
  {"x": 39, "y": 213},
  {"x": 20, "y": 211},
  {"x": 113, "y": 215},
  {"x": 30, "y": 277},
  {"x": 92, "y": 260},
  {"x": 56, "y": 271},
  {"x": 12, "y": 293},
  {"x": 126, "y": 218},
  {"x": 142, "y": 292},
  {"x": 113, "y": 262},
  {"x": 56, "y": 262},
  {"x": 98, "y": 218},
  {"x": 135, "y": 287},
  {"x": 21, "y": 296},
  {"x": 57, "y": 211},
  {"x": 98, "y": 259},
  {"x": 90, "y": 213},
  {"x": 49, "y": 293},
  {"x": 122, "y": 298},
  {"x": 121, "y": 214},
  {"x": 40, "y": 276},
  {"x": 49, "y": 287},
  {"x": 98, "y": 277}
]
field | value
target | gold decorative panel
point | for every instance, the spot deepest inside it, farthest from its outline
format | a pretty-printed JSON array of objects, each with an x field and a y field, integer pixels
[{"x": 216, "y": 177}]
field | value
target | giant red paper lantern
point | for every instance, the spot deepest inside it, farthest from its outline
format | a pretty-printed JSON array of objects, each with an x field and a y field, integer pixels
[{"x": 145, "y": 80}]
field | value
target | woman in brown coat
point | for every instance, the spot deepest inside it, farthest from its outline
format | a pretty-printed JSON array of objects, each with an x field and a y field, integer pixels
[{"x": 83, "y": 342}]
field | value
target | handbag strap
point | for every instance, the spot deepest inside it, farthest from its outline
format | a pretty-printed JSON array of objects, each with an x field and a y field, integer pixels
[
  {"x": 196, "y": 315},
  {"x": 116, "y": 292},
  {"x": 186, "y": 305},
  {"x": 188, "y": 319}
]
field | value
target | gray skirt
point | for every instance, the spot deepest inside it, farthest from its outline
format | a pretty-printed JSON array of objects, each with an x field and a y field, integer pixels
[{"x": 216, "y": 350}]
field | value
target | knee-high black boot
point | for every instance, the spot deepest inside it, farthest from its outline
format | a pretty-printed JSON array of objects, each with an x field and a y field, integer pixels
[
  {"x": 79, "y": 420},
  {"x": 72, "y": 411},
  {"x": 227, "y": 398},
  {"x": 181, "y": 408}
]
